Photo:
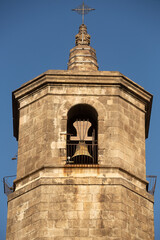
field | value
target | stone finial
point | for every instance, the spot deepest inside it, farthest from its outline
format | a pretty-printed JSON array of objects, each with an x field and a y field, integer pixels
[
  {"x": 82, "y": 38},
  {"x": 82, "y": 57}
]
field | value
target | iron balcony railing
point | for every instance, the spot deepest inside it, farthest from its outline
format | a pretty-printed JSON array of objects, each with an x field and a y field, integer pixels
[
  {"x": 82, "y": 153},
  {"x": 152, "y": 183},
  {"x": 8, "y": 184}
]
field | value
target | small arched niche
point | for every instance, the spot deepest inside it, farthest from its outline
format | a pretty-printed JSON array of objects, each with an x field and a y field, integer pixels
[{"x": 82, "y": 132}]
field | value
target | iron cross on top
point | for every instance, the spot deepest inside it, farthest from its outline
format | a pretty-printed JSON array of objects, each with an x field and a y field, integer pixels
[{"x": 82, "y": 10}]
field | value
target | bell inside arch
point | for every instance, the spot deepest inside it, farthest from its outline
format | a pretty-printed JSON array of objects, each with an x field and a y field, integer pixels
[
  {"x": 81, "y": 136},
  {"x": 82, "y": 150}
]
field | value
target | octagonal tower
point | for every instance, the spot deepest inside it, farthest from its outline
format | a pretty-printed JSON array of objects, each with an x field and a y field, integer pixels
[{"x": 81, "y": 170}]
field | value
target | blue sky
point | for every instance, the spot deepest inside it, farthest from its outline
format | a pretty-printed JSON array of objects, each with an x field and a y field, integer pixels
[{"x": 36, "y": 35}]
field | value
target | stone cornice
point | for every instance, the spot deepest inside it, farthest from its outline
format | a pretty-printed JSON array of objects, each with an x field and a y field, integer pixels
[
  {"x": 96, "y": 78},
  {"x": 66, "y": 177}
]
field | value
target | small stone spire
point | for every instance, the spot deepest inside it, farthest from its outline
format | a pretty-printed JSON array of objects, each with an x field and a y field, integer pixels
[{"x": 82, "y": 56}]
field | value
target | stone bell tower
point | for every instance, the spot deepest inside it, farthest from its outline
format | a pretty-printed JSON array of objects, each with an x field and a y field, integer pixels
[{"x": 81, "y": 170}]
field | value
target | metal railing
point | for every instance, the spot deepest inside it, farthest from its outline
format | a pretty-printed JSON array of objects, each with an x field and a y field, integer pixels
[
  {"x": 152, "y": 184},
  {"x": 8, "y": 184},
  {"x": 82, "y": 153}
]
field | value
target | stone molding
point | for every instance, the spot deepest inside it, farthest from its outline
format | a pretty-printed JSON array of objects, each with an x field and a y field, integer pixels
[
  {"x": 80, "y": 181},
  {"x": 73, "y": 78},
  {"x": 50, "y": 175}
]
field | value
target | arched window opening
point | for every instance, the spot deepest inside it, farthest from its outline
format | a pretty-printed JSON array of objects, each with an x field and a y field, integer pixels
[{"x": 82, "y": 132}]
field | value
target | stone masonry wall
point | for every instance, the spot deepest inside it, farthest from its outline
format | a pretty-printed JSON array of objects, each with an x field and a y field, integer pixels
[
  {"x": 43, "y": 127},
  {"x": 74, "y": 212},
  {"x": 54, "y": 201}
]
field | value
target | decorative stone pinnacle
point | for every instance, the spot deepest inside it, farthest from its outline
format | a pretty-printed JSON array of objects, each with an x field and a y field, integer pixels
[
  {"x": 82, "y": 38},
  {"x": 82, "y": 57}
]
